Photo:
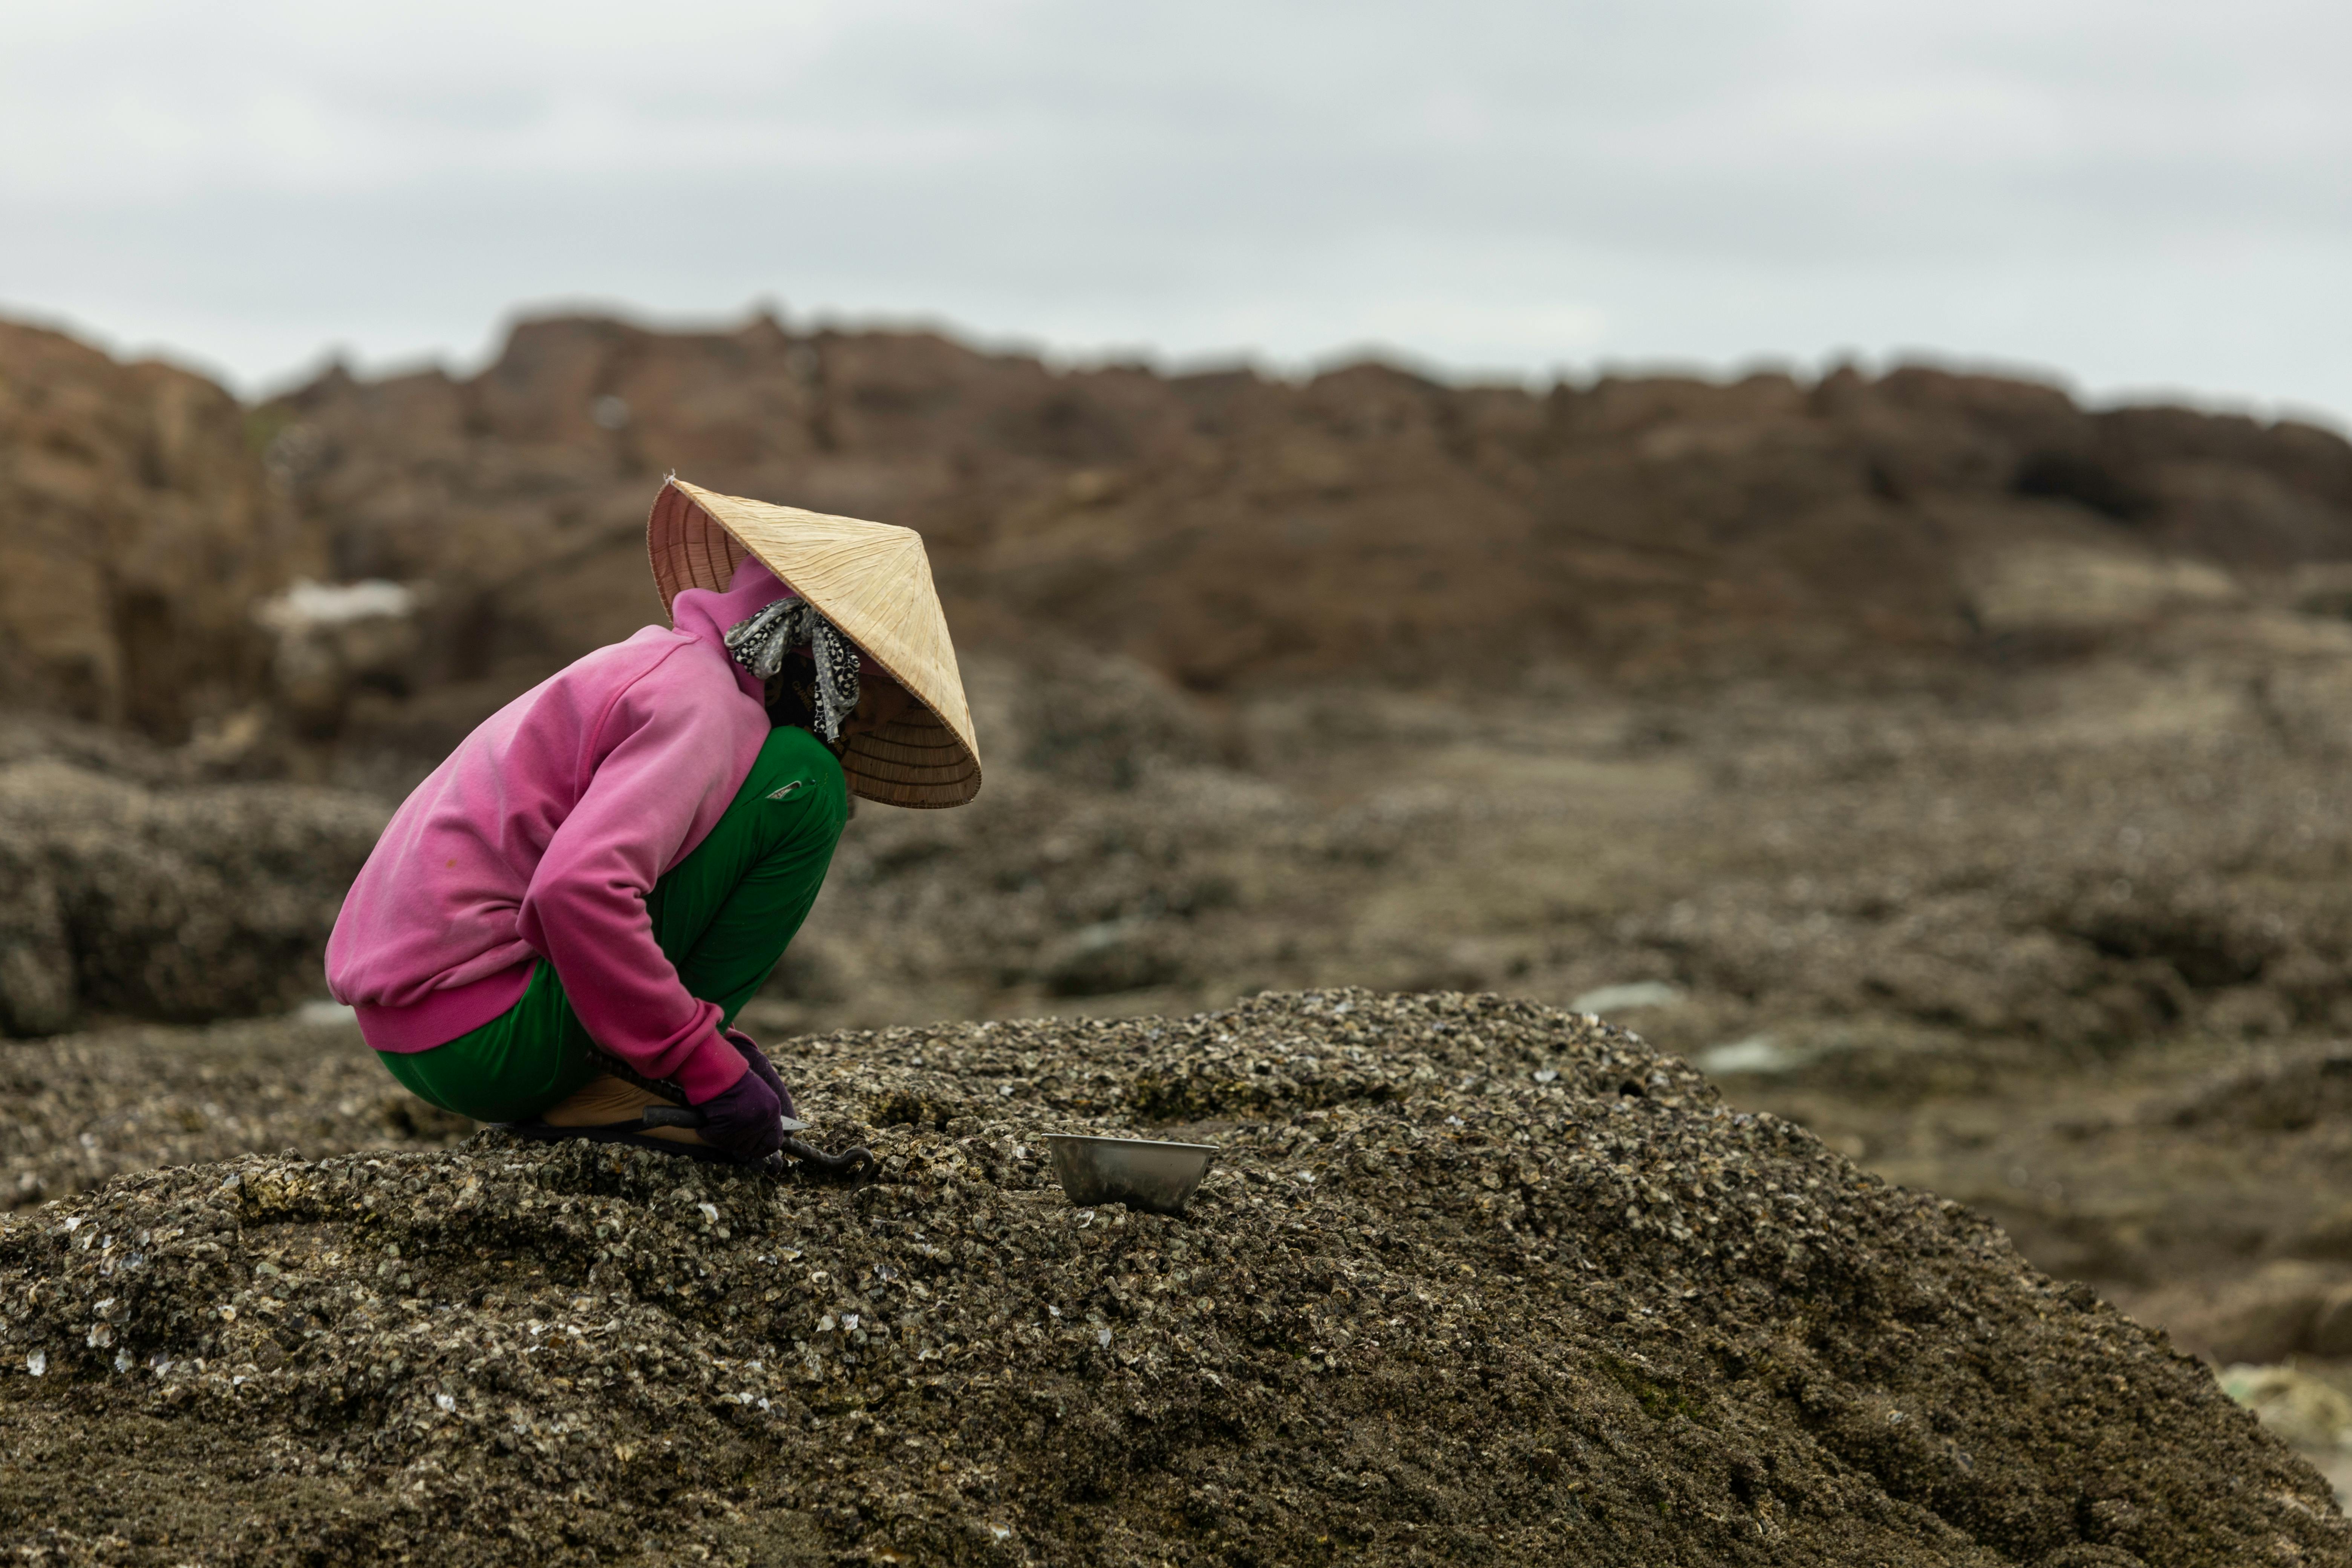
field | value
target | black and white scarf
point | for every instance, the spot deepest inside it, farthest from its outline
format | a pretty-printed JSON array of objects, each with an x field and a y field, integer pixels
[{"x": 761, "y": 642}]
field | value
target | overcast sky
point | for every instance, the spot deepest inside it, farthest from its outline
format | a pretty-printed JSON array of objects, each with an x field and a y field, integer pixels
[{"x": 2137, "y": 196}]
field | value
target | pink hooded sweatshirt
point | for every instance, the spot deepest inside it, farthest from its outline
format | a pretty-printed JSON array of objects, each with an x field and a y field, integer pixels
[{"x": 539, "y": 837}]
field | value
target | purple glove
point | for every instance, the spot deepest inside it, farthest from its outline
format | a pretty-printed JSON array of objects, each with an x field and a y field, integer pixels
[
  {"x": 745, "y": 1119},
  {"x": 764, "y": 1068}
]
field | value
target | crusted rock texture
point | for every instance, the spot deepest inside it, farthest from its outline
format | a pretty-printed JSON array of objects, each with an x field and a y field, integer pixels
[
  {"x": 84, "y": 1109},
  {"x": 121, "y": 897},
  {"x": 1473, "y": 1281}
]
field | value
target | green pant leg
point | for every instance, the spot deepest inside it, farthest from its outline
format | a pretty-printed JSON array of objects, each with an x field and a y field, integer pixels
[
  {"x": 527, "y": 1058},
  {"x": 723, "y": 916}
]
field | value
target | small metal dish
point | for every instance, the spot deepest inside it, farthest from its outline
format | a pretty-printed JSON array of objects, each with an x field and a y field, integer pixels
[{"x": 1136, "y": 1172}]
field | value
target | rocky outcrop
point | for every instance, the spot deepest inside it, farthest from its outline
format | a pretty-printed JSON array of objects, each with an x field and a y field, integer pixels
[
  {"x": 137, "y": 532},
  {"x": 1471, "y": 1280},
  {"x": 1228, "y": 528},
  {"x": 1224, "y": 530},
  {"x": 184, "y": 901},
  {"x": 1154, "y": 576},
  {"x": 85, "y": 1109}
]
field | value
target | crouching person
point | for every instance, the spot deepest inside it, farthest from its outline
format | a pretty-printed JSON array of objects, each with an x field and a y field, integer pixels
[{"x": 559, "y": 926}]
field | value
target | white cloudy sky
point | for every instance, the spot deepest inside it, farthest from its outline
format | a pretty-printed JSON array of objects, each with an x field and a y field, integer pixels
[{"x": 2140, "y": 195}]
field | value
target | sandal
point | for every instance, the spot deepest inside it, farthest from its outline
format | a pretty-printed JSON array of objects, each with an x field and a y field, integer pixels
[
  {"x": 638, "y": 1132},
  {"x": 610, "y": 1108}
]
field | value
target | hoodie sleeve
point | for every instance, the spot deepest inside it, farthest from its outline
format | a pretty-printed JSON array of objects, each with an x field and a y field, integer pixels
[{"x": 659, "y": 756}]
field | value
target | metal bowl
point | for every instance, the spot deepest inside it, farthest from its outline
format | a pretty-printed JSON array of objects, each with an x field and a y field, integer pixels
[{"x": 1136, "y": 1172}]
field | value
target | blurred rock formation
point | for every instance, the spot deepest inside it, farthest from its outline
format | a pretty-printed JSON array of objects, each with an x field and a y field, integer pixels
[
  {"x": 203, "y": 904},
  {"x": 131, "y": 886},
  {"x": 1229, "y": 531},
  {"x": 137, "y": 532},
  {"x": 1736, "y": 687},
  {"x": 1225, "y": 530}
]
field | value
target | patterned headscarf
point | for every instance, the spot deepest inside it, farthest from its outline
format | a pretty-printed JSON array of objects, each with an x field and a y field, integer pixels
[{"x": 761, "y": 642}]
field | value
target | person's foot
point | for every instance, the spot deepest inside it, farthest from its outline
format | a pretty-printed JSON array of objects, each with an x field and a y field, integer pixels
[{"x": 606, "y": 1101}]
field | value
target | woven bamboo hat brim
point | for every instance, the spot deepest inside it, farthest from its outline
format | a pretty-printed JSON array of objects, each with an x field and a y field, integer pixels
[{"x": 873, "y": 582}]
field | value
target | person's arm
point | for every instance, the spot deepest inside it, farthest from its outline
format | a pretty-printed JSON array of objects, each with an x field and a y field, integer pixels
[{"x": 666, "y": 752}]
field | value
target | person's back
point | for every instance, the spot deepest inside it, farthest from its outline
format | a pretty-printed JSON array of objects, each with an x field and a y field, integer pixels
[
  {"x": 560, "y": 923},
  {"x": 536, "y": 837}
]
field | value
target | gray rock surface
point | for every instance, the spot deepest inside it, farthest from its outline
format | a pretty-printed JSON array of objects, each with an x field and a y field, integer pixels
[
  {"x": 176, "y": 901},
  {"x": 84, "y": 1109}
]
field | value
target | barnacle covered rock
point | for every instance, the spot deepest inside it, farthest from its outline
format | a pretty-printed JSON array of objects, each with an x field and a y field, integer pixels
[
  {"x": 1473, "y": 1280},
  {"x": 79, "y": 1110}
]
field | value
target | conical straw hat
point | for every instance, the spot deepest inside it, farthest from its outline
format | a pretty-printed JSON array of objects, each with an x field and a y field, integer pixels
[{"x": 873, "y": 582}]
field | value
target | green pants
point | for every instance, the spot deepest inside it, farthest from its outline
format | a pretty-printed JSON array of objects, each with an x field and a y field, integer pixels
[{"x": 723, "y": 916}]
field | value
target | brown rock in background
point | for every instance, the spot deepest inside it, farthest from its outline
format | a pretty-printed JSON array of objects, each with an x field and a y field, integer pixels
[
  {"x": 1227, "y": 528},
  {"x": 1110, "y": 540},
  {"x": 137, "y": 532},
  {"x": 1223, "y": 529}
]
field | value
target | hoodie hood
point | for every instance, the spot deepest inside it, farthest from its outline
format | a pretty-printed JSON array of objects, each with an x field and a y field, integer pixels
[{"x": 705, "y": 615}]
